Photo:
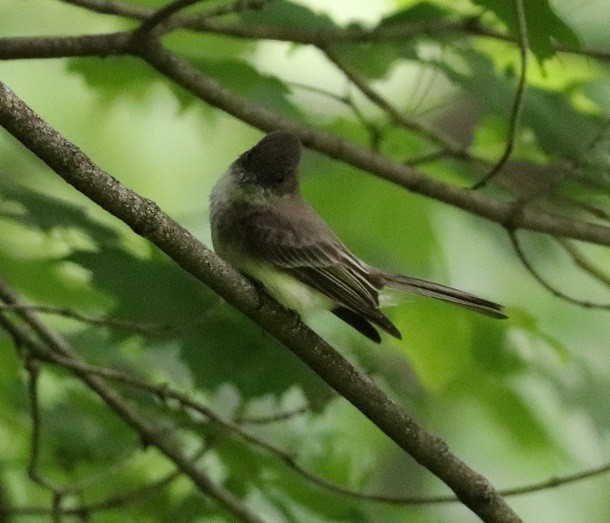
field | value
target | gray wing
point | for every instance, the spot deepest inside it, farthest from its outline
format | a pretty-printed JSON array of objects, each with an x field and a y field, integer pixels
[
  {"x": 308, "y": 250},
  {"x": 313, "y": 255}
]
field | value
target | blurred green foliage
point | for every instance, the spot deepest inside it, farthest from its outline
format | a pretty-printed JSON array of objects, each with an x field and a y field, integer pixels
[{"x": 520, "y": 401}]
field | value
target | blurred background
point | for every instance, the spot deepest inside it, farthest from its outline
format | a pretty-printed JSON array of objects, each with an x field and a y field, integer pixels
[{"x": 520, "y": 401}]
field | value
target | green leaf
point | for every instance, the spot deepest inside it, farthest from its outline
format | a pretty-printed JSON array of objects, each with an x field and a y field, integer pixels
[
  {"x": 375, "y": 59},
  {"x": 81, "y": 436},
  {"x": 262, "y": 89},
  {"x": 560, "y": 129},
  {"x": 115, "y": 77},
  {"x": 511, "y": 411},
  {"x": 420, "y": 12},
  {"x": 491, "y": 349},
  {"x": 530, "y": 325},
  {"x": 36, "y": 233},
  {"x": 543, "y": 25},
  {"x": 282, "y": 13}
]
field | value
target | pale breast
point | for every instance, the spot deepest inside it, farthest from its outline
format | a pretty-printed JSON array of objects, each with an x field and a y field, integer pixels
[{"x": 286, "y": 289}]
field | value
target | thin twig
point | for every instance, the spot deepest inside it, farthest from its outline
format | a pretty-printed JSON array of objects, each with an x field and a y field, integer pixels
[
  {"x": 272, "y": 418},
  {"x": 542, "y": 281},
  {"x": 148, "y": 432},
  {"x": 185, "y": 400},
  {"x": 146, "y": 329},
  {"x": 136, "y": 495},
  {"x": 160, "y": 17},
  {"x": 113, "y": 7},
  {"x": 583, "y": 262},
  {"x": 34, "y": 473},
  {"x": 342, "y": 99},
  {"x": 476, "y": 29},
  {"x": 597, "y": 138},
  {"x": 121, "y": 500},
  {"x": 373, "y": 131},
  {"x": 140, "y": 328},
  {"x": 206, "y": 23},
  {"x": 424, "y": 158},
  {"x": 397, "y": 117},
  {"x": 558, "y": 481},
  {"x": 518, "y": 103},
  {"x": 287, "y": 456},
  {"x": 78, "y": 486},
  {"x": 143, "y": 13}
]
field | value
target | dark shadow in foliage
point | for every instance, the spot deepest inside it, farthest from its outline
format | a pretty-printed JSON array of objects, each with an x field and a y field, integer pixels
[
  {"x": 82, "y": 436},
  {"x": 230, "y": 348},
  {"x": 47, "y": 213},
  {"x": 223, "y": 347}
]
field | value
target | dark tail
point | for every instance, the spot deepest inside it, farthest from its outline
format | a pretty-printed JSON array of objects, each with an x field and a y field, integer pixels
[{"x": 440, "y": 292}]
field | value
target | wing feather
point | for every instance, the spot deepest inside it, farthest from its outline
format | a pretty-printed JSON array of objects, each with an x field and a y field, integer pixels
[{"x": 316, "y": 257}]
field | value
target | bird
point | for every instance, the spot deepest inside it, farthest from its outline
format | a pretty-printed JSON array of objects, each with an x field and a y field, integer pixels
[{"x": 262, "y": 225}]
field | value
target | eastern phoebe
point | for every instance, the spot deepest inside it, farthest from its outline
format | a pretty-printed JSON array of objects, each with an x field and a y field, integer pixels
[{"x": 262, "y": 225}]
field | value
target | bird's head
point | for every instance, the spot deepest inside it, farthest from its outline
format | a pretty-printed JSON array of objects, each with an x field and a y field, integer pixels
[{"x": 271, "y": 164}]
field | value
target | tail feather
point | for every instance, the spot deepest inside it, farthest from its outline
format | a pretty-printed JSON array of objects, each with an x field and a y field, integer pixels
[
  {"x": 359, "y": 322},
  {"x": 441, "y": 292}
]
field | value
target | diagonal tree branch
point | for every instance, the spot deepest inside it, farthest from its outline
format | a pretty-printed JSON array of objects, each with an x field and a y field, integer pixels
[
  {"x": 33, "y": 370},
  {"x": 146, "y": 219},
  {"x": 209, "y": 90},
  {"x": 399, "y": 118}
]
